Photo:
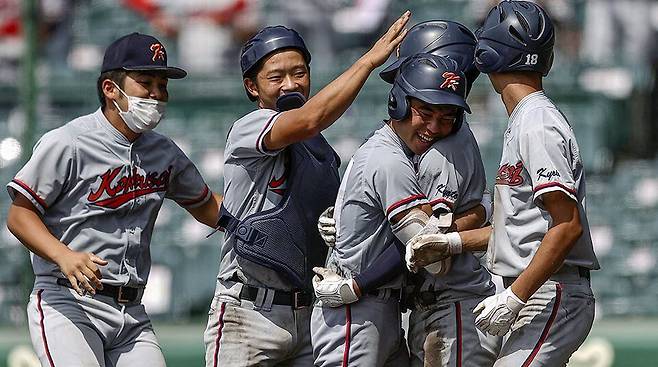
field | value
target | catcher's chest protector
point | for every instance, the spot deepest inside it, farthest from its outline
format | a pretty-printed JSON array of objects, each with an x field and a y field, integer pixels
[{"x": 285, "y": 238}]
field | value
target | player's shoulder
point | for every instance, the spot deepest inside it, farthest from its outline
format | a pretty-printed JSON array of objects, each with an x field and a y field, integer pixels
[
  {"x": 71, "y": 130},
  {"x": 259, "y": 116},
  {"x": 251, "y": 123},
  {"x": 542, "y": 115},
  {"x": 383, "y": 151}
]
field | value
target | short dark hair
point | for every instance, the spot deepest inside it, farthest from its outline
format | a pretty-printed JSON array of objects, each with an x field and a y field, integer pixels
[{"x": 117, "y": 76}]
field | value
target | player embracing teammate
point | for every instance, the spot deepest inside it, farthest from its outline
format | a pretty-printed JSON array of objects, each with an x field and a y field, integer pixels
[{"x": 540, "y": 241}]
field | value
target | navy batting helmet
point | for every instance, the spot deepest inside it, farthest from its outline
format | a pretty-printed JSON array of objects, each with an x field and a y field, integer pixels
[
  {"x": 442, "y": 38},
  {"x": 515, "y": 36},
  {"x": 432, "y": 79},
  {"x": 268, "y": 40}
]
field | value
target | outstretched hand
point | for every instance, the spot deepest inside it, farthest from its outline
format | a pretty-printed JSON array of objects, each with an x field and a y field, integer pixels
[{"x": 385, "y": 45}]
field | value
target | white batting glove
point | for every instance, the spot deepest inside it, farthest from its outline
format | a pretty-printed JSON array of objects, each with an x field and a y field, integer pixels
[
  {"x": 441, "y": 267},
  {"x": 332, "y": 289},
  {"x": 425, "y": 249},
  {"x": 497, "y": 313},
  {"x": 327, "y": 226}
]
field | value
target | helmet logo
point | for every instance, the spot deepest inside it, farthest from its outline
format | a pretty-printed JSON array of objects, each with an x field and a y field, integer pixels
[
  {"x": 451, "y": 80},
  {"x": 158, "y": 51}
]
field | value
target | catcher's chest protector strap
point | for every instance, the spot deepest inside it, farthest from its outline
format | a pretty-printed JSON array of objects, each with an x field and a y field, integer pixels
[{"x": 285, "y": 238}]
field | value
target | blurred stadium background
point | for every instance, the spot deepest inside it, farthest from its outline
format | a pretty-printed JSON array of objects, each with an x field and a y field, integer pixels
[{"x": 604, "y": 80}]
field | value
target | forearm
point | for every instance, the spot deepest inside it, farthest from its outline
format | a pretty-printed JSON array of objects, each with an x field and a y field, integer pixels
[
  {"x": 332, "y": 101},
  {"x": 208, "y": 213},
  {"x": 549, "y": 257},
  {"x": 28, "y": 227},
  {"x": 476, "y": 239},
  {"x": 386, "y": 266},
  {"x": 471, "y": 219}
]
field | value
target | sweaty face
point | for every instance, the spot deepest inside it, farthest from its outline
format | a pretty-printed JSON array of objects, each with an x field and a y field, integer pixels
[
  {"x": 426, "y": 124},
  {"x": 282, "y": 72}
]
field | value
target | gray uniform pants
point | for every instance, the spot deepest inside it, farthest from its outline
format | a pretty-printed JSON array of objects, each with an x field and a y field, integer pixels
[
  {"x": 242, "y": 333},
  {"x": 445, "y": 335},
  {"x": 553, "y": 335},
  {"x": 366, "y": 333},
  {"x": 72, "y": 330}
]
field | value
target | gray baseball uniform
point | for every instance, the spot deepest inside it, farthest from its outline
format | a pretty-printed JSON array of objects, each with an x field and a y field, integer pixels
[
  {"x": 379, "y": 183},
  {"x": 254, "y": 181},
  {"x": 97, "y": 192},
  {"x": 540, "y": 155},
  {"x": 442, "y": 327}
]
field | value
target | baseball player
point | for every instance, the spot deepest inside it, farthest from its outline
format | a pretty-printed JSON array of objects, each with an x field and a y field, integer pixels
[
  {"x": 280, "y": 174},
  {"x": 85, "y": 204},
  {"x": 442, "y": 325},
  {"x": 540, "y": 244},
  {"x": 380, "y": 203}
]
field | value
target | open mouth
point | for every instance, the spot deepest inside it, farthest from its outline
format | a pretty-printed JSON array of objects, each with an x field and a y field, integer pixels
[{"x": 425, "y": 138}]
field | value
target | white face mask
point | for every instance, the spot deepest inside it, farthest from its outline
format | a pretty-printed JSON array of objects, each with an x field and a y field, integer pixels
[{"x": 143, "y": 114}]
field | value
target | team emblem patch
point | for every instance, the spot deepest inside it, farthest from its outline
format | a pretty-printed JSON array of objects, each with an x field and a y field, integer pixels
[
  {"x": 451, "y": 80},
  {"x": 158, "y": 51},
  {"x": 510, "y": 174}
]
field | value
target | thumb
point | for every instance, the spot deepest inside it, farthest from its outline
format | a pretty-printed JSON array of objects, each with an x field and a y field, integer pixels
[
  {"x": 330, "y": 211},
  {"x": 479, "y": 308},
  {"x": 97, "y": 260},
  {"x": 322, "y": 272}
]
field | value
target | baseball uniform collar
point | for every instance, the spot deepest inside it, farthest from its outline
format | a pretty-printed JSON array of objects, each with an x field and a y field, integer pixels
[
  {"x": 389, "y": 130},
  {"x": 107, "y": 125},
  {"x": 525, "y": 101}
]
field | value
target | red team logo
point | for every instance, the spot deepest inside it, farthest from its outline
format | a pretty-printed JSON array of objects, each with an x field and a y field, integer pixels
[
  {"x": 128, "y": 187},
  {"x": 275, "y": 184},
  {"x": 158, "y": 52},
  {"x": 451, "y": 80},
  {"x": 510, "y": 175}
]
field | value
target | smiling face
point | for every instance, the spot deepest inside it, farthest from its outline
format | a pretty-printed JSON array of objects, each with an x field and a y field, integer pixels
[
  {"x": 425, "y": 124},
  {"x": 282, "y": 72}
]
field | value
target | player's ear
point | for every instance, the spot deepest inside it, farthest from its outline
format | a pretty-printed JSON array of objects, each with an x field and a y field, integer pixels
[
  {"x": 251, "y": 87},
  {"x": 110, "y": 90}
]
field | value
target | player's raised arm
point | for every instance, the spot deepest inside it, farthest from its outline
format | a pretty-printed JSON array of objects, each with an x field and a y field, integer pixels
[{"x": 331, "y": 102}]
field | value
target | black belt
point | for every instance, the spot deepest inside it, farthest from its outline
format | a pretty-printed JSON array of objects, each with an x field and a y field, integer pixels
[
  {"x": 121, "y": 294},
  {"x": 582, "y": 272},
  {"x": 295, "y": 299},
  {"x": 393, "y": 293}
]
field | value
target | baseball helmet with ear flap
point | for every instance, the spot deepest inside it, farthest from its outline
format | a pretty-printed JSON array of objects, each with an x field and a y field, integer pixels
[
  {"x": 435, "y": 80},
  {"x": 438, "y": 37},
  {"x": 269, "y": 40},
  {"x": 515, "y": 36}
]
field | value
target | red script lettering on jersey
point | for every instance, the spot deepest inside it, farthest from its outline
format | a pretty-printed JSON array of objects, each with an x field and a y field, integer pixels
[
  {"x": 510, "y": 175},
  {"x": 127, "y": 187}
]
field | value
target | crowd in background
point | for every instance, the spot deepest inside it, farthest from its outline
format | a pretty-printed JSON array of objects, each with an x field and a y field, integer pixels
[{"x": 610, "y": 43}]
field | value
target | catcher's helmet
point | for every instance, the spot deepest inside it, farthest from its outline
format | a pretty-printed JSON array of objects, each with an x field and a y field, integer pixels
[
  {"x": 442, "y": 38},
  {"x": 268, "y": 40},
  {"x": 432, "y": 79},
  {"x": 515, "y": 36}
]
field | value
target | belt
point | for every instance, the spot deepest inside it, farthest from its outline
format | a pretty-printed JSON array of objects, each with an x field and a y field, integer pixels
[
  {"x": 559, "y": 275},
  {"x": 295, "y": 299},
  {"x": 121, "y": 294},
  {"x": 385, "y": 293}
]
